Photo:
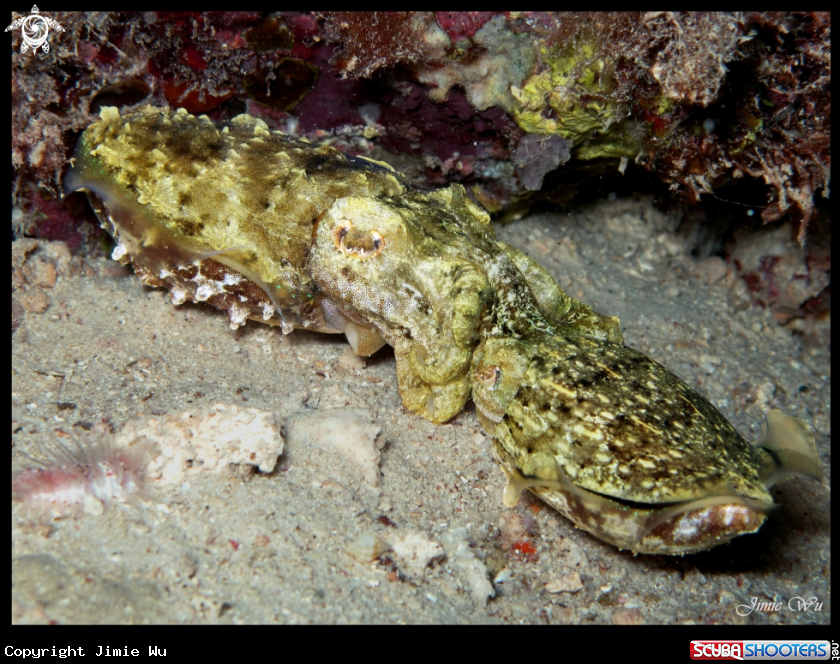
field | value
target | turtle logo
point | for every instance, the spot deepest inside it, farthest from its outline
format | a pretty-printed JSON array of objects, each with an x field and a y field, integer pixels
[{"x": 35, "y": 30}]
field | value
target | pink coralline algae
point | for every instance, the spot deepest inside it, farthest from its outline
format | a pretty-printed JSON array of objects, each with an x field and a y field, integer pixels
[{"x": 462, "y": 25}]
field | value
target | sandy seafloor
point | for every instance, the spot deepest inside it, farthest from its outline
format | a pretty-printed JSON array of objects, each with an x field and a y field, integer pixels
[{"x": 238, "y": 547}]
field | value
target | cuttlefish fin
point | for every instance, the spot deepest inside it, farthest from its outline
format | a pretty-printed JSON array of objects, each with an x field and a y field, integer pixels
[
  {"x": 640, "y": 520},
  {"x": 790, "y": 444},
  {"x": 726, "y": 496},
  {"x": 517, "y": 483},
  {"x": 514, "y": 486},
  {"x": 229, "y": 258},
  {"x": 202, "y": 255}
]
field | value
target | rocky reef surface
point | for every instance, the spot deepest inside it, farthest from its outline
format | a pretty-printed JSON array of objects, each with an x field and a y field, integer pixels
[{"x": 505, "y": 103}]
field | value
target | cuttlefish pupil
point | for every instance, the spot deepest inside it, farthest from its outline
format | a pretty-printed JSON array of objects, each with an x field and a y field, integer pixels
[
  {"x": 353, "y": 242},
  {"x": 488, "y": 376}
]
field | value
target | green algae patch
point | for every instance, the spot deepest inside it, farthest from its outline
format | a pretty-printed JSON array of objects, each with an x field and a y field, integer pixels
[{"x": 572, "y": 97}]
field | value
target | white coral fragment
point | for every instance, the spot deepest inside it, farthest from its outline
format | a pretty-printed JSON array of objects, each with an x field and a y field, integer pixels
[
  {"x": 416, "y": 551},
  {"x": 209, "y": 439}
]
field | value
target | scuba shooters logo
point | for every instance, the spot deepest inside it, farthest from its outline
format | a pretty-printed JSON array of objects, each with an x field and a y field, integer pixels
[
  {"x": 717, "y": 650},
  {"x": 760, "y": 650}
]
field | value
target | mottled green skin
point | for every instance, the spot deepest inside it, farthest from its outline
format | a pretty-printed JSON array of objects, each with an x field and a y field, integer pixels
[
  {"x": 178, "y": 189},
  {"x": 440, "y": 284},
  {"x": 622, "y": 425},
  {"x": 251, "y": 220}
]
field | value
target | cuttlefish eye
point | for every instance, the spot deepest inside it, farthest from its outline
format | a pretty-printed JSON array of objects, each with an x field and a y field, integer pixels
[
  {"x": 488, "y": 376},
  {"x": 358, "y": 243}
]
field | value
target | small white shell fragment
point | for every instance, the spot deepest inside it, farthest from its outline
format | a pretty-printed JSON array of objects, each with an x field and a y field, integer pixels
[
  {"x": 208, "y": 439},
  {"x": 416, "y": 552},
  {"x": 568, "y": 583},
  {"x": 366, "y": 548},
  {"x": 471, "y": 571},
  {"x": 503, "y": 576}
]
